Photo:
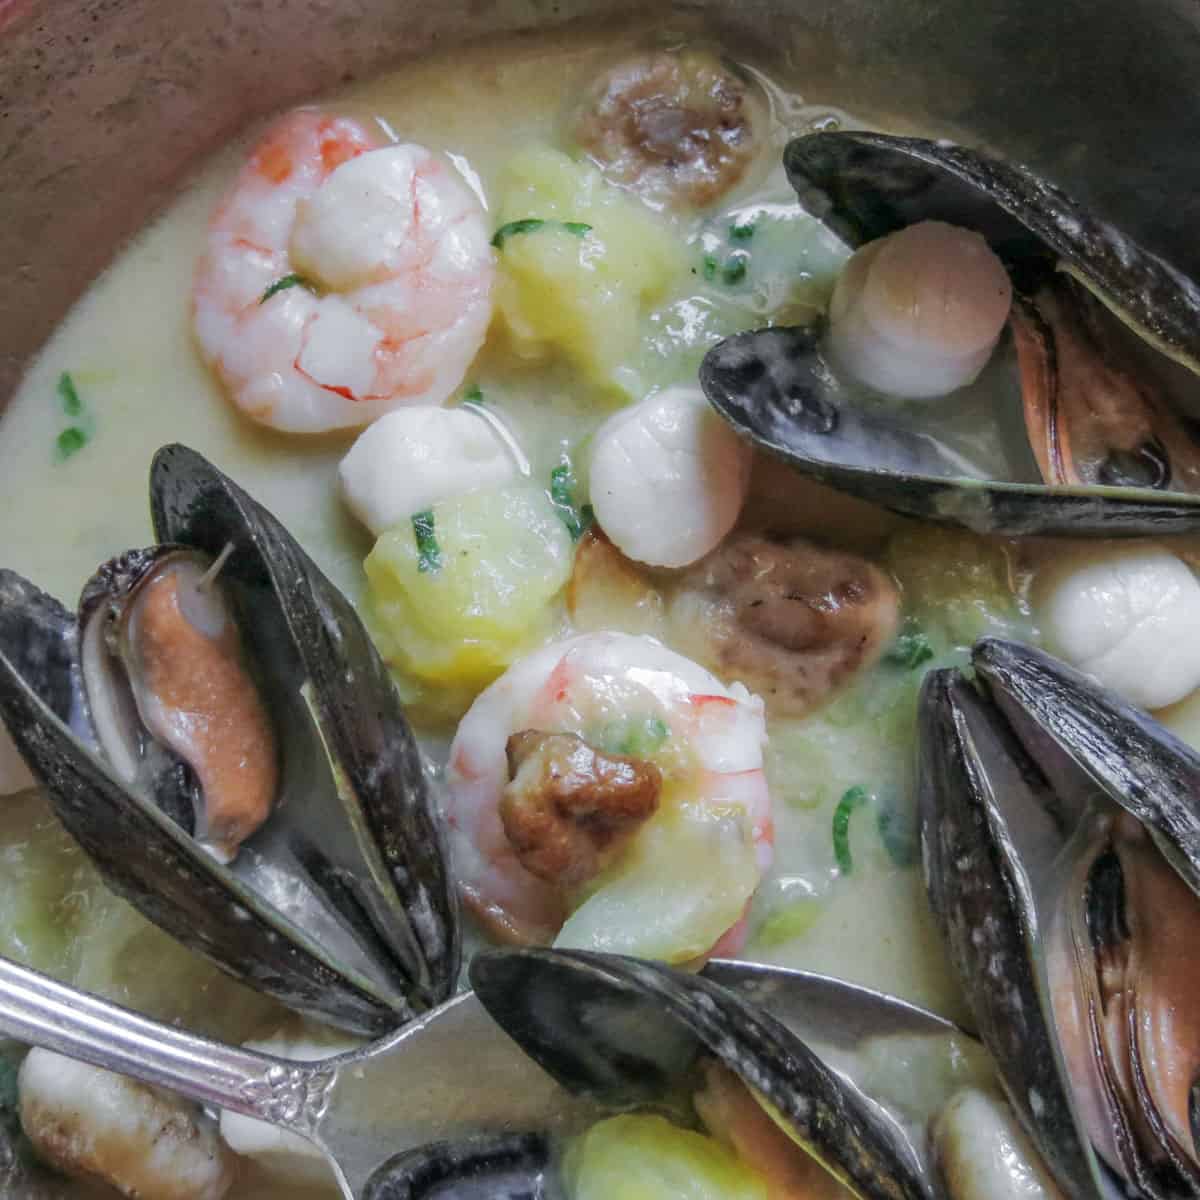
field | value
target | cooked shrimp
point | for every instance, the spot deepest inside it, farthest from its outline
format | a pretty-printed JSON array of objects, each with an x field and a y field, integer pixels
[
  {"x": 793, "y": 618},
  {"x": 668, "y": 478},
  {"x": 341, "y": 278},
  {"x": 146, "y": 1143},
  {"x": 628, "y": 698},
  {"x": 678, "y": 126},
  {"x": 917, "y": 314}
]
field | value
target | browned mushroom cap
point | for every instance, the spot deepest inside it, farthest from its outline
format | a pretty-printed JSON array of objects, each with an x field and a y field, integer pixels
[
  {"x": 791, "y": 620},
  {"x": 678, "y": 126},
  {"x": 571, "y": 807}
]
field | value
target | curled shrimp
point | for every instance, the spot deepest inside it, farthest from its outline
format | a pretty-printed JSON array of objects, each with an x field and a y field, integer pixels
[
  {"x": 683, "y": 877},
  {"x": 342, "y": 278}
]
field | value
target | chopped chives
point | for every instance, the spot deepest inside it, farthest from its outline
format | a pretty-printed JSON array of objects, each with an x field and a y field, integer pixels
[
  {"x": 735, "y": 268},
  {"x": 855, "y": 798},
  {"x": 69, "y": 442},
  {"x": 429, "y": 554},
  {"x": 283, "y": 283},
  {"x": 562, "y": 495},
  {"x": 71, "y": 403},
  {"x": 532, "y": 225}
]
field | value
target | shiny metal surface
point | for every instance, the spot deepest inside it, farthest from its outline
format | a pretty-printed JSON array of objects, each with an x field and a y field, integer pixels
[
  {"x": 452, "y": 1071},
  {"x": 104, "y": 104}
]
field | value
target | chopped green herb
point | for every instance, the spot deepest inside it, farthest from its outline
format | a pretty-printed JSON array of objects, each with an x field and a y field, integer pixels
[
  {"x": 856, "y": 797},
  {"x": 741, "y": 233},
  {"x": 787, "y": 923},
  {"x": 71, "y": 403},
  {"x": 70, "y": 441},
  {"x": 735, "y": 269},
  {"x": 588, "y": 515},
  {"x": 473, "y": 395},
  {"x": 285, "y": 282},
  {"x": 532, "y": 225},
  {"x": 637, "y": 738},
  {"x": 710, "y": 267},
  {"x": 562, "y": 494},
  {"x": 910, "y": 649},
  {"x": 898, "y": 833},
  {"x": 429, "y": 555}
]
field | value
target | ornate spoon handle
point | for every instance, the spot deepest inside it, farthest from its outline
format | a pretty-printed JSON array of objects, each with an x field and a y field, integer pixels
[{"x": 42, "y": 1012}]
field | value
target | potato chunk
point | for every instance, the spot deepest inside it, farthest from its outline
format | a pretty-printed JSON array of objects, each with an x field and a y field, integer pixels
[
  {"x": 458, "y": 592},
  {"x": 578, "y": 292}
]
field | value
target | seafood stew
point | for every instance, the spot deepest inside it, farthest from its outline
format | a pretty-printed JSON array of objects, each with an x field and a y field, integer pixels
[{"x": 607, "y": 512}]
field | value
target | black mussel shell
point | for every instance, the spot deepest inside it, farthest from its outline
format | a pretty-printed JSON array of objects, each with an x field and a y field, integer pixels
[
  {"x": 507, "y": 1166},
  {"x": 1107, "y": 743},
  {"x": 340, "y": 905},
  {"x": 774, "y": 388},
  {"x": 866, "y": 185},
  {"x": 626, "y": 1032},
  {"x": 989, "y": 837}
]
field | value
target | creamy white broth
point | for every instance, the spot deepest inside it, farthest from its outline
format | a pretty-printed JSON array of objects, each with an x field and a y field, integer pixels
[{"x": 128, "y": 347}]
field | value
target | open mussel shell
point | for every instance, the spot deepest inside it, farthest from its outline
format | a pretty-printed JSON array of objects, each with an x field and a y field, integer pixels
[
  {"x": 988, "y": 839},
  {"x": 866, "y": 185},
  {"x": 504, "y": 1166},
  {"x": 339, "y": 905},
  {"x": 1079, "y": 731},
  {"x": 774, "y": 387},
  {"x": 1125, "y": 464},
  {"x": 1066, "y": 922},
  {"x": 627, "y": 1033}
]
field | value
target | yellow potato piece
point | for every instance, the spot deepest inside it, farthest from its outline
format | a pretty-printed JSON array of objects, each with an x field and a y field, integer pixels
[
  {"x": 580, "y": 295},
  {"x": 647, "y": 1158},
  {"x": 481, "y": 593}
]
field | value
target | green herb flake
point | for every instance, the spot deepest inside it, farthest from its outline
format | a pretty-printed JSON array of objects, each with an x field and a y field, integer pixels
[
  {"x": 429, "y": 554},
  {"x": 69, "y": 442},
  {"x": 474, "y": 395},
  {"x": 897, "y": 832},
  {"x": 741, "y": 233},
  {"x": 911, "y": 648},
  {"x": 634, "y": 737},
  {"x": 710, "y": 267},
  {"x": 562, "y": 495},
  {"x": 282, "y": 284},
  {"x": 855, "y": 798},
  {"x": 787, "y": 923},
  {"x": 533, "y": 224},
  {"x": 735, "y": 269},
  {"x": 71, "y": 403}
]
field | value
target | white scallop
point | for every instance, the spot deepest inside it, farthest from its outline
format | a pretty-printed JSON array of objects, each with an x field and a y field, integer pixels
[
  {"x": 984, "y": 1153},
  {"x": 146, "y": 1142},
  {"x": 1127, "y": 615},
  {"x": 668, "y": 478},
  {"x": 412, "y": 458},
  {"x": 917, "y": 314}
]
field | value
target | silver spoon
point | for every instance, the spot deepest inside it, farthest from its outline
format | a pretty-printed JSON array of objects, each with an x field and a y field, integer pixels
[{"x": 451, "y": 1072}]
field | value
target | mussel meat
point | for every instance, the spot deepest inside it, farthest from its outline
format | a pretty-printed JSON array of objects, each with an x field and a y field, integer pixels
[
  {"x": 219, "y": 734},
  {"x": 1061, "y": 836},
  {"x": 1107, "y": 337}
]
